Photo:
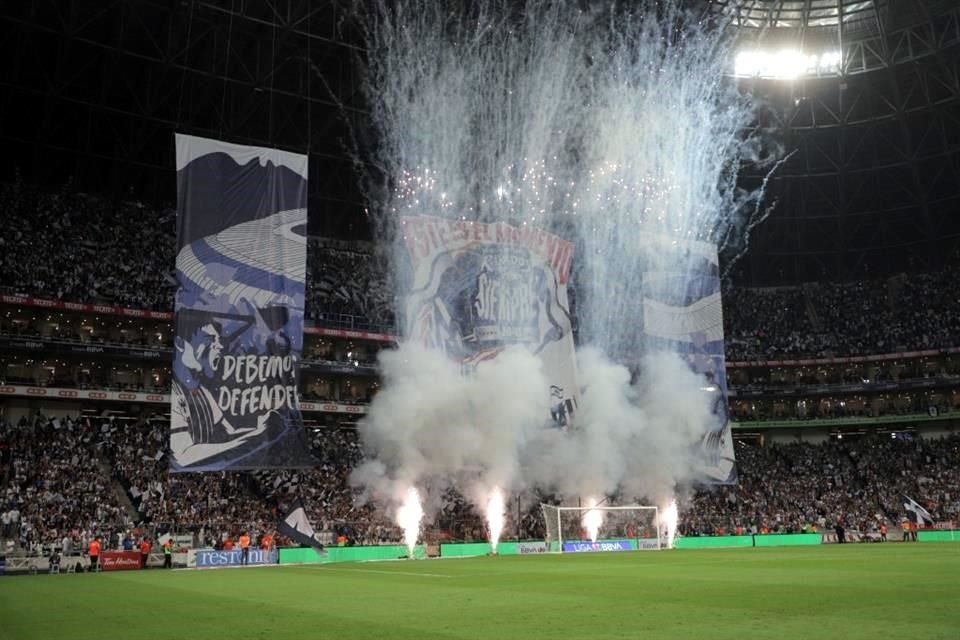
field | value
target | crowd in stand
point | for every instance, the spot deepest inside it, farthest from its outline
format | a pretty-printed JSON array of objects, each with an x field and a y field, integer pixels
[
  {"x": 796, "y": 487},
  {"x": 56, "y": 489},
  {"x": 77, "y": 247},
  {"x": 329, "y": 499},
  {"x": 81, "y": 248},
  {"x": 926, "y": 470},
  {"x": 63, "y": 480},
  {"x": 345, "y": 281},
  {"x": 915, "y": 312},
  {"x": 212, "y": 504},
  {"x": 55, "y": 486}
]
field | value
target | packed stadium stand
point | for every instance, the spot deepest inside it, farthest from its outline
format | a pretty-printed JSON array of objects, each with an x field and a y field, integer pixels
[
  {"x": 834, "y": 355},
  {"x": 899, "y": 313},
  {"x": 841, "y": 318},
  {"x": 304, "y": 299}
]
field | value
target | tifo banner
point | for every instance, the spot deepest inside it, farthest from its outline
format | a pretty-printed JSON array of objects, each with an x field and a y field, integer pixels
[
  {"x": 120, "y": 560},
  {"x": 210, "y": 558},
  {"x": 682, "y": 312},
  {"x": 158, "y": 398},
  {"x": 594, "y": 547},
  {"x": 241, "y": 264},
  {"x": 478, "y": 288}
]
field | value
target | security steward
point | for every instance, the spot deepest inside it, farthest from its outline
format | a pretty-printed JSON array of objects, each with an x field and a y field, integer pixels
[
  {"x": 94, "y": 552},
  {"x": 244, "y": 549},
  {"x": 168, "y": 554}
]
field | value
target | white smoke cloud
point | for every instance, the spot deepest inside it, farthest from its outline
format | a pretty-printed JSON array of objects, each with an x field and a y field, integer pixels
[
  {"x": 608, "y": 127},
  {"x": 637, "y": 439},
  {"x": 430, "y": 426}
]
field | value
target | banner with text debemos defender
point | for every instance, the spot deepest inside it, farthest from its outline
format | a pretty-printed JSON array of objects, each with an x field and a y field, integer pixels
[{"x": 241, "y": 266}]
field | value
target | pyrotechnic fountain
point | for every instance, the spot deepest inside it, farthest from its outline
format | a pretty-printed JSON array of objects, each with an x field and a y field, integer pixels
[
  {"x": 616, "y": 130},
  {"x": 495, "y": 513},
  {"x": 671, "y": 517},
  {"x": 592, "y": 520},
  {"x": 409, "y": 516}
]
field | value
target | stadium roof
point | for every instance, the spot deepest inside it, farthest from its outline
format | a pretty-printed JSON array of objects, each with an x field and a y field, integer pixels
[
  {"x": 856, "y": 18},
  {"x": 874, "y": 184},
  {"x": 93, "y": 91},
  {"x": 869, "y": 34}
]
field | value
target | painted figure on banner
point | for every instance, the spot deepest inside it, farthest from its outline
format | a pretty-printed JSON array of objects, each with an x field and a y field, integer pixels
[
  {"x": 241, "y": 267},
  {"x": 477, "y": 292}
]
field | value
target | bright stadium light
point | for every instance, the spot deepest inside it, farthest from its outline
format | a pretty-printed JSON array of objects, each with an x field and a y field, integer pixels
[{"x": 786, "y": 64}]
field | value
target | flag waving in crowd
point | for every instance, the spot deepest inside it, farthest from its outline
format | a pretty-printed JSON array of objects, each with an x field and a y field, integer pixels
[
  {"x": 296, "y": 526},
  {"x": 915, "y": 513}
]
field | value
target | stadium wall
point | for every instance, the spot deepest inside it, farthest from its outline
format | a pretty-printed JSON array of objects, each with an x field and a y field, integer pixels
[
  {"x": 470, "y": 550},
  {"x": 764, "y": 540},
  {"x": 787, "y": 540},
  {"x": 713, "y": 542},
  {"x": 938, "y": 536},
  {"x": 706, "y": 542},
  {"x": 347, "y": 554}
]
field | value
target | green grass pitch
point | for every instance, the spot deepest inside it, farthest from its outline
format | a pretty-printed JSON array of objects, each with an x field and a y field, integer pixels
[{"x": 849, "y": 592}]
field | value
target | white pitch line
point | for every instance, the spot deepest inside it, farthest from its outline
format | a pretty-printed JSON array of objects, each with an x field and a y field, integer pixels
[{"x": 396, "y": 573}]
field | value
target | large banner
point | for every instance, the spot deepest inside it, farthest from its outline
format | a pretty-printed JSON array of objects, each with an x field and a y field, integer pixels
[
  {"x": 479, "y": 288},
  {"x": 241, "y": 266},
  {"x": 682, "y": 312}
]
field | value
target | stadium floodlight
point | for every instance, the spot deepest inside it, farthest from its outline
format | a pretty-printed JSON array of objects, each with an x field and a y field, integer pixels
[
  {"x": 786, "y": 64},
  {"x": 625, "y": 527}
]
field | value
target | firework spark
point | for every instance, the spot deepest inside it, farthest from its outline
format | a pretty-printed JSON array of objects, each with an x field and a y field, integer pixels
[
  {"x": 671, "y": 517},
  {"x": 592, "y": 520},
  {"x": 409, "y": 516},
  {"x": 495, "y": 517}
]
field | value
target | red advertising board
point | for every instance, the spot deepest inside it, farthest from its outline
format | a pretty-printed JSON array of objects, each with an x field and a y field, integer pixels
[{"x": 119, "y": 560}]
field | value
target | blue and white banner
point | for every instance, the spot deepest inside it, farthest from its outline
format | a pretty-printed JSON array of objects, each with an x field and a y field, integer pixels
[
  {"x": 597, "y": 547},
  {"x": 241, "y": 266},
  {"x": 479, "y": 288},
  {"x": 682, "y": 312},
  {"x": 211, "y": 558}
]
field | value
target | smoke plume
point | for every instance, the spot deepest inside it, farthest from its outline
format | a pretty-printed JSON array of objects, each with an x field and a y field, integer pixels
[{"x": 616, "y": 129}]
